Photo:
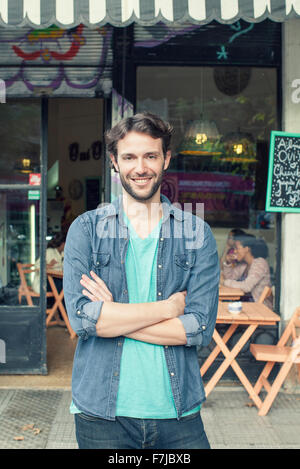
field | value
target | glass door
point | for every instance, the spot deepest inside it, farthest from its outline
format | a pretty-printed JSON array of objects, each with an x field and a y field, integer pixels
[{"x": 22, "y": 221}]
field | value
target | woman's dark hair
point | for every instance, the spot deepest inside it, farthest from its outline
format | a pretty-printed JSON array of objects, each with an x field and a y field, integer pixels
[
  {"x": 58, "y": 239},
  {"x": 145, "y": 123},
  {"x": 237, "y": 232},
  {"x": 257, "y": 245}
]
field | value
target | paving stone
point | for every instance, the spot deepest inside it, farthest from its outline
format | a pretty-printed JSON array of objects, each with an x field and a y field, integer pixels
[
  {"x": 231, "y": 424},
  {"x": 28, "y": 407},
  {"x": 228, "y": 421}
]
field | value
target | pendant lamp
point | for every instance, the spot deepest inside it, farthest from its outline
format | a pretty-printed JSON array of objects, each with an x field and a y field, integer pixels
[
  {"x": 239, "y": 147},
  {"x": 201, "y": 138}
]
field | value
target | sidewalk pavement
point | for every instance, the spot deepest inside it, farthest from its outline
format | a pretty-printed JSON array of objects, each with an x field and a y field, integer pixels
[{"x": 40, "y": 419}]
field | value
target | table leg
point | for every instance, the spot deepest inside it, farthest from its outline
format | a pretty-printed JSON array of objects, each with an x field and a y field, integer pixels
[
  {"x": 230, "y": 361},
  {"x": 66, "y": 319},
  {"x": 263, "y": 375},
  {"x": 58, "y": 304},
  {"x": 215, "y": 352},
  {"x": 51, "y": 312}
]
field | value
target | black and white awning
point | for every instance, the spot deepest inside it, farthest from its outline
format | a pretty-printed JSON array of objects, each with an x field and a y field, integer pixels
[{"x": 70, "y": 13}]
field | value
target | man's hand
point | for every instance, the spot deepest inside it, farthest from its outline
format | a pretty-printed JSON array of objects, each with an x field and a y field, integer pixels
[
  {"x": 95, "y": 289},
  {"x": 176, "y": 303},
  {"x": 148, "y": 322}
]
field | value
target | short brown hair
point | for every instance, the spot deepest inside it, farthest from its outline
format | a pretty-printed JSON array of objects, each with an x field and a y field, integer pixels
[{"x": 145, "y": 123}]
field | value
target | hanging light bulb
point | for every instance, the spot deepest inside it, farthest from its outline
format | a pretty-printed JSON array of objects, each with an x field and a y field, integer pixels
[
  {"x": 238, "y": 148},
  {"x": 23, "y": 165},
  {"x": 26, "y": 163},
  {"x": 201, "y": 138}
]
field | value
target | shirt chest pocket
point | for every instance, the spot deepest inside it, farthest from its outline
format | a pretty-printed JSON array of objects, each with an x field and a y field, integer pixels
[
  {"x": 183, "y": 265},
  {"x": 101, "y": 265}
]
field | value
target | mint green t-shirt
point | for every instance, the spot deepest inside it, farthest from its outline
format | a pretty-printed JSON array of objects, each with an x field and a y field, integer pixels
[{"x": 144, "y": 386}]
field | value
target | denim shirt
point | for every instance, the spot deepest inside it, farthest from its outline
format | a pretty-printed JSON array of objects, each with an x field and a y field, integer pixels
[{"x": 187, "y": 259}]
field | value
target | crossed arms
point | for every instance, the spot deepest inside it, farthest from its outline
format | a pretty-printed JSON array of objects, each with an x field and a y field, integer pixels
[
  {"x": 155, "y": 322},
  {"x": 180, "y": 319}
]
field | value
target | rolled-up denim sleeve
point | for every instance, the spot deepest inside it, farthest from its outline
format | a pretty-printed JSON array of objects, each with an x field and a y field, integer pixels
[
  {"x": 202, "y": 297},
  {"x": 83, "y": 314}
]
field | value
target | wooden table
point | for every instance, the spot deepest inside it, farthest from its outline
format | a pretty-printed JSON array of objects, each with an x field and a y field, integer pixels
[
  {"x": 58, "y": 304},
  {"x": 252, "y": 316},
  {"x": 230, "y": 293}
]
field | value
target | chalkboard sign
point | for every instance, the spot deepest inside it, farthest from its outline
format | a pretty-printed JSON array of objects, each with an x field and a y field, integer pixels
[{"x": 283, "y": 191}]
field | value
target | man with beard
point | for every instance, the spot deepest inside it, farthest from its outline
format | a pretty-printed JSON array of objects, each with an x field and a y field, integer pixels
[{"x": 141, "y": 284}]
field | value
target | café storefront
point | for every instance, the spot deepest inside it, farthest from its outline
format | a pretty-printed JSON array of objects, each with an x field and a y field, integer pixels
[{"x": 216, "y": 70}]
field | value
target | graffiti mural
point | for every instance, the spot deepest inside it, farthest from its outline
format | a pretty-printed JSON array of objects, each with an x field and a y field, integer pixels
[
  {"x": 51, "y": 35},
  {"x": 57, "y": 61}
]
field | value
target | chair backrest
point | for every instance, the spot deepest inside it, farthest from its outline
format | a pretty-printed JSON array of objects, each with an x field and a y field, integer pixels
[
  {"x": 24, "y": 290},
  {"x": 25, "y": 269},
  {"x": 265, "y": 293},
  {"x": 291, "y": 329}
]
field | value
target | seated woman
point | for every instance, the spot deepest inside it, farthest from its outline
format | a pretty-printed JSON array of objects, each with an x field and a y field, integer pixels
[
  {"x": 252, "y": 273},
  {"x": 54, "y": 260},
  {"x": 228, "y": 257}
]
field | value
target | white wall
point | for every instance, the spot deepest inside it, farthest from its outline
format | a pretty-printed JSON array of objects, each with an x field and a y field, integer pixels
[{"x": 290, "y": 258}]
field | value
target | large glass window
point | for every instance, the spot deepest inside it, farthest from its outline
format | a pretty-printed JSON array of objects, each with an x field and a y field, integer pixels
[
  {"x": 20, "y": 130},
  {"x": 222, "y": 117}
]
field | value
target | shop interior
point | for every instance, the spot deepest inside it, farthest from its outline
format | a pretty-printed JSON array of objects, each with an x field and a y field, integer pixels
[
  {"x": 75, "y": 160},
  {"x": 75, "y": 184},
  {"x": 222, "y": 122},
  {"x": 75, "y": 173}
]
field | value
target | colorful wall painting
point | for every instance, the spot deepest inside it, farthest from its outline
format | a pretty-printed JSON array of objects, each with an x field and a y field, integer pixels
[{"x": 57, "y": 61}]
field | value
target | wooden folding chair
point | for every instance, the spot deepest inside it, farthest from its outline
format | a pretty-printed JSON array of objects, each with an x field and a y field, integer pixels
[
  {"x": 280, "y": 353},
  {"x": 24, "y": 288},
  {"x": 265, "y": 294}
]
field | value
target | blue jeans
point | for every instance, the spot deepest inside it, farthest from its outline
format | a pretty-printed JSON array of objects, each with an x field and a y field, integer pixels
[{"x": 132, "y": 433}]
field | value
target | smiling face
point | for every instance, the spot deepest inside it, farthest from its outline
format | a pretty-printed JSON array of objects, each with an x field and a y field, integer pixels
[
  {"x": 141, "y": 165},
  {"x": 240, "y": 251}
]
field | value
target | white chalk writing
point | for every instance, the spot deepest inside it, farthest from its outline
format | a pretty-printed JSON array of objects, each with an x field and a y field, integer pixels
[{"x": 286, "y": 172}]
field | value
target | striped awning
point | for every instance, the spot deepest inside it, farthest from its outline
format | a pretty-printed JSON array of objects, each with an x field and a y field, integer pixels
[{"x": 70, "y": 13}]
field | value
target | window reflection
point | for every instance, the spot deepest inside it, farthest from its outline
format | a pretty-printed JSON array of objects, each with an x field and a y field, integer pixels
[
  {"x": 19, "y": 236},
  {"x": 20, "y": 124},
  {"x": 222, "y": 117}
]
